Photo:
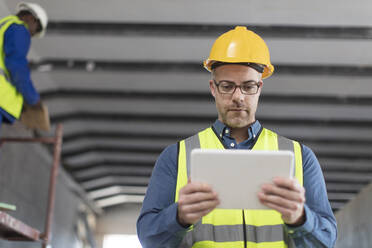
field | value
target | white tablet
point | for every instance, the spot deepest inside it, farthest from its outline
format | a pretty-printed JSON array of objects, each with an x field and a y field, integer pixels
[{"x": 237, "y": 175}]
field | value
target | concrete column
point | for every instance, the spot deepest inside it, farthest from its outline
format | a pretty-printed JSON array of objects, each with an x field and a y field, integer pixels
[{"x": 354, "y": 221}]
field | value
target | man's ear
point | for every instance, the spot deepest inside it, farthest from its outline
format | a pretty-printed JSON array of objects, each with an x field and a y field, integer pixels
[
  {"x": 261, "y": 86},
  {"x": 212, "y": 88}
]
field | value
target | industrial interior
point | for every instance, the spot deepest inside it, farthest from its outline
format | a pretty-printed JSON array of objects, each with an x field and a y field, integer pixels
[{"x": 125, "y": 79}]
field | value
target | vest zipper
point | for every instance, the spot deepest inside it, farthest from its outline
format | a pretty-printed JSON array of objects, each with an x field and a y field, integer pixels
[{"x": 244, "y": 230}]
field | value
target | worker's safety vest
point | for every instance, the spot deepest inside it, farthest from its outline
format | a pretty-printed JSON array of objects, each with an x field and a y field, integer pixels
[
  {"x": 10, "y": 99},
  {"x": 226, "y": 228}
]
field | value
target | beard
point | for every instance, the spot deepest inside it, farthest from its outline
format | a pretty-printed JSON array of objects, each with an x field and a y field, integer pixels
[{"x": 237, "y": 119}]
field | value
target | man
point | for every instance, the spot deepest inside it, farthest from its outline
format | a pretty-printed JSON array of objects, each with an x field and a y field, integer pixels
[
  {"x": 178, "y": 212},
  {"x": 16, "y": 86}
]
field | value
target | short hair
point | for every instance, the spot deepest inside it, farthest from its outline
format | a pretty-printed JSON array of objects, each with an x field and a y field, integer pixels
[{"x": 23, "y": 13}]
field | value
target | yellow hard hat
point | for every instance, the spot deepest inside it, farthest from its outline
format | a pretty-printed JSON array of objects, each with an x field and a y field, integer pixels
[{"x": 240, "y": 46}]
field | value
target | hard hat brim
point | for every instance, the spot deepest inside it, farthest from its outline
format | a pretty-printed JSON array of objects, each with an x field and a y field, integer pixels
[{"x": 268, "y": 70}]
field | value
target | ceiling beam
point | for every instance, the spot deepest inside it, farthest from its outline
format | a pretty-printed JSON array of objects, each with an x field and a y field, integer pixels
[
  {"x": 116, "y": 190},
  {"x": 344, "y": 187},
  {"x": 348, "y": 177},
  {"x": 76, "y": 168},
  {"x": 80, "y": 162},
  {"x": 115, "y": 180},
  {"x": 110, "y": 170},
  {"x": 337, "y": 205},
  {"x": 135, "y": 149},
  {"x": 200, "y": 30},
  {"x": 119, "y": 199},
  {"x": 101, "y": 65},
  {"x": 340, "y": 196}
]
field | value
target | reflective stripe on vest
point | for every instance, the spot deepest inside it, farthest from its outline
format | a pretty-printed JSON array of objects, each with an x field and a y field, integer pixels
[
  {"x": 10, "y": 99},
  {"x": 224, "y": 227},
  {"x": 231, "y": 233}
]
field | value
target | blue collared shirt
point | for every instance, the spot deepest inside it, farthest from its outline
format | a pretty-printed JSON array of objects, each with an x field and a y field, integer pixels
[
  {"x": 17, "y": 41},
  {"x": 157, "y": 224}
]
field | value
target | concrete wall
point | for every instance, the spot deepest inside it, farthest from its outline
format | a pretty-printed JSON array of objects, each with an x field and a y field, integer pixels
[
  {"x": 354, "y": 221},
  {"x": 120, "y": 219},
  {"x": 24, "y": 180}
]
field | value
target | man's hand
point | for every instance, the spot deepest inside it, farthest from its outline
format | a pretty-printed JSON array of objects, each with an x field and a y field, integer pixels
[
  {"x": 195, "y": 201},
  {"x": 287, "y": 197},
  {"x": 39, "y": 104}
]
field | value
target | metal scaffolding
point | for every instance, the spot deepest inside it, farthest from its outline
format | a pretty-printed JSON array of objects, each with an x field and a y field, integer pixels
[{"x": 14, "y": 229}]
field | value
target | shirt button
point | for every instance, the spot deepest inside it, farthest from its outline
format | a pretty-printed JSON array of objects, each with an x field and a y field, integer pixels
[{"x": 232, "y": 144}]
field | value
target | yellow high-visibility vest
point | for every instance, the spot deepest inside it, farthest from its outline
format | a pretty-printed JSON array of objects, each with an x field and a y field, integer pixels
[
  {"x": 10, "y": 99},
  {"x": 225, "y": 228}
]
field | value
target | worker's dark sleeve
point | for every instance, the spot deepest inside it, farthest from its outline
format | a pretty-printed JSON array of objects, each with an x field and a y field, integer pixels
[
  {"x": 157, "y": 224},
  {"x": 17, "y": 42},
  {"x": 320, "y": 228}
]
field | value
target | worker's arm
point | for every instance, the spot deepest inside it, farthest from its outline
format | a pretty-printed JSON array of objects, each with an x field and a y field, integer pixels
[
  {"x": 17, "y": 42},
  {"x": 311, "y": 224},
  {"x": 157, "y": 225}
]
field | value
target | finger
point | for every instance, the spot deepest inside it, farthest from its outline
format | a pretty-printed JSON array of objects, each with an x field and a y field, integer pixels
[
  {"x": 200, "y": 206},
  {"x": 200, "y": 213},
  {"x": 270, "y": 189},
  {"x": 288, "y": 183},
  {"x": 280, "y": 201},
  {"x": 192, "y": 218},
  {"x": 286, "y": 213},
  {"x": 289, "y": 217},
  {"x": 197, "y": 197},
  {"x": 196, "y": 187},
  {"x": 207, "y": 211}
]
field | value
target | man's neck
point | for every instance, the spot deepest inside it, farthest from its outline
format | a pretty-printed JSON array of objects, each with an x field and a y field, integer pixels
[{"x": 240, "y": 134}]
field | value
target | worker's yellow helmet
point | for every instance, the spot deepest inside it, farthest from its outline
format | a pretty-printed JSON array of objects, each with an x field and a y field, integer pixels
[{"x": 240, "y": 46}]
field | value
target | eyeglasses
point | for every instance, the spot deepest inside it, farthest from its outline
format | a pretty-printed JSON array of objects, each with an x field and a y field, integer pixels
[{"x": 247, "y": 88}]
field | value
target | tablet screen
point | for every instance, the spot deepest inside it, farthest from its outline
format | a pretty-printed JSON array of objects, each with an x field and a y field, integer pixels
[{"x": 237, "y": 175}]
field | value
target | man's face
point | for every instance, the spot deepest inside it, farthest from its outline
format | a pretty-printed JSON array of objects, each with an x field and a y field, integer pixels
[
  {"x": 235, "y": 110},
  {"x": 34, "y": 25}
]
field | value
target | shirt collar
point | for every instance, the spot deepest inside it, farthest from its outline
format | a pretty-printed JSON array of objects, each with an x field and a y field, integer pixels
[{"x": 223, "y": 130}]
